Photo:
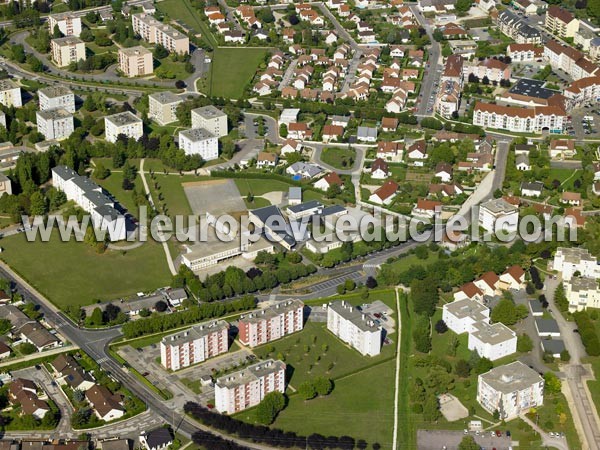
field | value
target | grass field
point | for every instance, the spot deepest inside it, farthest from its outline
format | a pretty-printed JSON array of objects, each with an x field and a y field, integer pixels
[
  {"x": 566, "y": 176},
  {"x": 114, "y": 185},
  {"x": 260, "y": 187},
  {"x": 229, "y": 80},
  {"x": 90, "y": 276},
  {"x": 340, "y": 158},
  {"x": 181, "y": 10},
  {"x": 172, "y": 191}
]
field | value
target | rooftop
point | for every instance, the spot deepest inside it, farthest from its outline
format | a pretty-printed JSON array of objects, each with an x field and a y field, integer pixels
[
  {"x": 7, "y": 84},
  {"x": 250, "y": 373},
  {"x": 54, "y": 114},
  {"x": 492, "y": 334},
  {"x": 196, "y": 332},
  {"x": 575, "y": 255},
  {"x": 468, "y": 308},
  {"x": 546, "y": 325},
  {"x": 134, "y": 51},
  {"x": 498, "y": 206},
  {"x": 67, "y": 40},
  {"x": 166, "y": 98},
  {"x": 272, "y": 311},
  {"x": 354, "y": 315},
  {"x": 55, "y": 91},
  {"x": 209, "y": 112},
  {"x": 583, "y": 284},
  {"x": 511, "y": 377},
  {"x": 531, "y": 88},
  {"x": 197, "y": 134},
  {"x": 124, "y": 118}
]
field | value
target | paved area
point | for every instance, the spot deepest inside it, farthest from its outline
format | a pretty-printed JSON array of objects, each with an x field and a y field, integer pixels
[
  {"x": 451, "y": 408},
  {"x": 214, "y": 196},
  {"x": 440, "y": 439}
]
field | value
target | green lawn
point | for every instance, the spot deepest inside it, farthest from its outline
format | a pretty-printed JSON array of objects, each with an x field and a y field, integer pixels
[
  {"x": 176, "y": 70},
  {"x": 339, "y": 158},
  {"x": 257, "y": 202},
  {"x": 114, "y": 185},
  {"x": 181, "y": 10},
  {"x": 259, "y": 187},
  {"x": 90, "y": 276},
  {"x": 562, "y": 175},
  {"x": 172, "y": 191},
  {"x": 232, "y": 69},
  {"x": 192, "y": 385}
]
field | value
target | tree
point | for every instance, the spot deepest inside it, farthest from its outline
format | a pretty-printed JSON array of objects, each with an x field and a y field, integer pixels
[
  {"x": 307, "y": 390},
  {"x": 565, "y": 356},
  {"x": 524, "y": 343},
  {"x": 160, "y": 306},
  {"x": 101, "y": 172},
  {"x": 38, "y": 205},
  {"x": 5, "y": 326},
  {"x": 271, "y": 405},
  {"x": 97, "y": 318},
  {"x": 431, "y": 408},
  {"x": 483, "y": 365},
  {"x": 441, "y": 327},
  {"x": 552, "y": 383},
  {"x": 462, "y": 368},
  {"x": 421, "y": 336},
  {"x": 283, "y": 130},
  {"x": 323, "y": 386},
  {"x": 504, "y": 312},
  {"x": 468, "y": 443},
  {"x": 86, "y": 35},
  {"x": 160, "y": 52},
  {"x": 27, "y": 349},
  {"x": 371, "y": 283}
]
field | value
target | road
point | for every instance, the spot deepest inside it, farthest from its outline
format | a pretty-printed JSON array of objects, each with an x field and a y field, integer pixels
[
  {"x": 431, "y": 74},
  {"x": 558, "y": 443}
]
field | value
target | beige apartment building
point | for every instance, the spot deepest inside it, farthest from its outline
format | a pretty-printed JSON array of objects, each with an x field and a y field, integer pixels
[
  {"x": 135, "y": 61},
  {"x": 10, "y": 94},
  {"x": 162, "y": 107},
  {"x": 67, "y": 23},
  {"x": 155, "y": 32},
  {"x": 67, "y": 50}
]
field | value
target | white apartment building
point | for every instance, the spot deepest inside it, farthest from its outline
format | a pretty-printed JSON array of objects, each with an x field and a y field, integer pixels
[
  {"x": 569, "y": 260},
  {"x": 511, "y": 390},
  {"x": 162, "y": 107},
  {"x": 155, "y": 32},
  {"x": 2, "y": 119},
  {"x": 136, "y": 61},
  {"x": 461, "y": 315},
  {"x": 198, "y": 141},
  {"x": 272, "y": 323},
  {"x": 54, "y": 97},
  {"x": 354, "y": 327},
  {"x": 194, "y": 345},
  {"x": 247, "y": 387},
  {"x": 493, "y": 341},
  {"x": 92, "y": 199},
  {"x": 68, "y": 23},
  {"x": 55, "y": 123},
  {"x": 517, "y": 119},
  {"x": 582, "y": 293},
  {"x": 67, "y": 50},
  {"x": 448, "y": 99},
  {"x": 10, "y": 93},
  {"x": 569, "y": 60},
  {"x": 211, "y": 119},
  {"x": 498, "y": 215},
  {"x": 582, "y": 91},
  {"x": 125, "y": 123}
]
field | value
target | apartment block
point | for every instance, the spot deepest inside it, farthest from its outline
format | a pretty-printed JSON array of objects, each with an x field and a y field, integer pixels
[
  {"x": 155, "y": 32},
  {"x": 55, "y": 97},
  {"x": 211, "y": 119},
  {"x": 517, "y": 119},
  {"x": 515, "y": 27},
  {"x": 195, "y": 345},
  {"x": 569, "y": 260},
  {"x": 162, "y": 107},
  {"x": 498, "y": 215},
  {"x": 135, "y": 61},
  {"x": 67, "y": 50},
  {"x": 512, "y": 389},
  {"x": 461, "y": 315},
  {"x": 198, "y": 141},
  {"x": 569, "y": 60},
  {"x": 55, "y": 123},
  {"x": 10, "y": 94},
  {"x": 582, "y": 293},
  {"x": 492, "y": 341},
  {"x": 561, "y": 22},
  {"x": 68, "y": 24},
  {"x": 92, "y": 199},
  {"x": 354, "y": 327},
  {"x": 247, "y": 388},
  {"x": 125, "y": 123},
  {"x": 272, "y": 323}
]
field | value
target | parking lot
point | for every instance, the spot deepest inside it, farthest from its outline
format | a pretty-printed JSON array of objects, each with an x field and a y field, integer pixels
[
  {"x": 585, "y": 123},
  {"x": 449, "y": 440}
]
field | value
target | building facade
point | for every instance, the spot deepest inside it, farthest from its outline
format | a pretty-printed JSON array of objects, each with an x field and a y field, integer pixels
[
  {"x": 194, "y": 345},
  {"x": 125, "y": 123},
  {"x": 498, "y": 215},
  {"x": 582, "y": 293},
  {"x": 569, "y": 260},
  {"x": 493, "y": 341},
  {"x": 247, "y": 387},
  {"x": 516, "y": 119},
  {"x": 162, "y": 107},
  {"x": 55, "y": 97},
  {"x": 211, "y": 119},
  {"x": 135, "y": 61},
  {"x": 10, "y": 94},
  {"x": 272, "y": 323},
  {"x": 354, "y": 327},
  {"x": 199, "y": 141},
  {"x": 155, "y": 32},
  {"x": 67, "y": 50},
  {"x": 461, "y": 315},
  {"x": 55, "y": 123},
  {"x": 68, "y": 24}
]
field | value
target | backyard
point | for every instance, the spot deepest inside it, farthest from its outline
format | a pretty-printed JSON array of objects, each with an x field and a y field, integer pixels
[{"x": 339, "y": 158}]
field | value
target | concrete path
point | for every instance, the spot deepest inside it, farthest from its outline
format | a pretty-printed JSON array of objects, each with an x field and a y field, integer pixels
[{"x": 558, "y": 443}]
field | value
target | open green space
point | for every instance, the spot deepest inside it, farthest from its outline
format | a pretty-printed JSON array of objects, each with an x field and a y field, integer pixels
[
  {"x": 193, "y": 385},
  {"x": 566, "y": 176},
  {"x": 171, "y": 189},
  {"x": 181, "y": 10},
  {"x": 339, "y": 158},
  {"x": 261, "y": 186},
  {"x": 227, "y": 79},
  {"x": 169, "y": 69},
  {"x": 257, "y": 202},
  {"x": 114, "y": 185},
  {"x": 90, "y": 276}
]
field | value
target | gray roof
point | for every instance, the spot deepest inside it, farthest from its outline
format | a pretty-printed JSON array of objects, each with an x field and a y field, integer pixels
[
  {"x": 499, "y": 205},
  {"x": 553, "y": 346},
  {"x": 108, "y": 211},
  {"x": 273, "y": 214},
  {"x": 7, "y": 84},
  {"x": 306, "y": 206},
  {"x": 367, "y": 132},
  {"x": 166, "y": 97},
  {"x": 583, "y": 284},
  {"x": 312, "y": 170},
  {"x": 64, "y": 172},
  {"x": 54, "y": 114},
  {"x": 295, "y": 193},
  {"x": 532, "y": 186},
  {"x": 137, "y": 50},
  {"x": 55, "y": 91},
  {"x": 330, "y": 210},
  {"x": 196, "y": 332},
  {"x": 467, "y": 308},
  {"x": 546, "y": 325},
  {"x": 124, "y": 118},
  {"x": 492, "y": 334},
  {"x": 176, "y": 294},
  {"x": 522, "y": 159},
  {"x": 67, "y": 40},
  {"x": 208, "y": 112},
  {"x": 116, "y": 444},
  {"x": 354, "y": 315},
  {"x": 16, "y": 317},
  {"x": 575, "y": 255},
  {"x": 272, "y": 311},
  {"x": 197, "y": 134},
  {"x": 250, "y": 373},
  {"x": 536, "y": 306},
  {"x": 511, "y": 378}
]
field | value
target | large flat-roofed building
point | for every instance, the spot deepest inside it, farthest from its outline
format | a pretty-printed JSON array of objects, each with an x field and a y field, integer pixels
[
  {"x": 194, "y": 345},
  {"x": 92, "y": 199},
  {"x": 199, "y": 141},
  {"x": 582, "y": 293},
  {"x": 460, "y": 315},
  {"x": 498, "y": 215},
  {"x": 68, "y": 23},
  {"x": 10, "y": 94},
  {"x": 155, "y": 32},
  {"x": 569, "y": 260},
  {"x": 272, "y": 323},
  {"x": 55, "y": 123},
  {"x": 125, "y": 123},
  {"x": 162, "y": 107},
  {"x": 247, "y": 387},
  {"x": 210, "y": 118},
  {"x": 136, "y": 61},
  {"x": 354, "y": 327},
  {"x": 54, "y": 97},
  {"x": 493, "y": 341},
  {"x": 512, "y": 389},
  {"x": 67, "y": 50}
]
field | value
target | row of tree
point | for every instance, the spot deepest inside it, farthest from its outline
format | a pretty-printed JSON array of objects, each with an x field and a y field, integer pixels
[{"x": 587, "y": 332}]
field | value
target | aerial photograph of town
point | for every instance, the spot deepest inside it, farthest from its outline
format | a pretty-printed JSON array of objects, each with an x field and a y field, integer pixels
[{"x": 275, "y": 224}]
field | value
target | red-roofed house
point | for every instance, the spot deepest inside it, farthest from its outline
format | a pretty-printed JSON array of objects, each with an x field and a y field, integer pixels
[
  {"x": 512, "y": 278},
  {"x": 385, "y": 194}
]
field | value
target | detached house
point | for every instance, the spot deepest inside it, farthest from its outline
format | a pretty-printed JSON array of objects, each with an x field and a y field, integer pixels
[
  {"x": 379, "y": 169},
  {"x": 385, "y": 194},
  {"x": 265, "y": 159},
  {"x": 107, "y": 406}
]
